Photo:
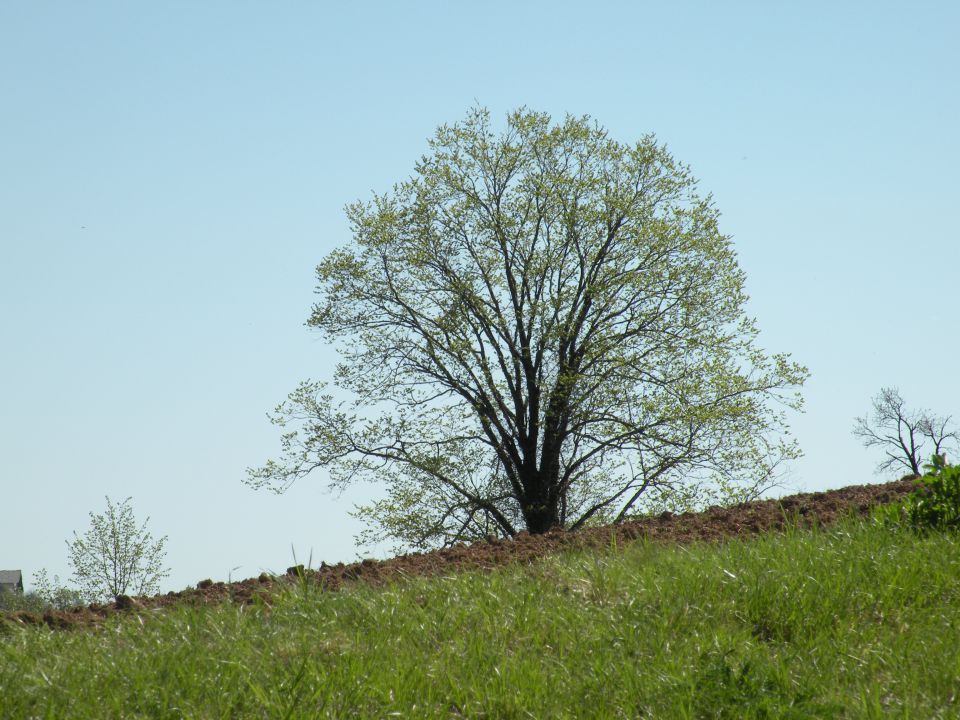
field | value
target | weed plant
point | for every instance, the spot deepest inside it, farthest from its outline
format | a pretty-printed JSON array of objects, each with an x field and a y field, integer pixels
[{"x": 857, "y": 621}]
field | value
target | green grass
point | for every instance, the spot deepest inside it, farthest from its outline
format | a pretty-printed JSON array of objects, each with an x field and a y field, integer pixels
[{"x": 849, "y": 622}]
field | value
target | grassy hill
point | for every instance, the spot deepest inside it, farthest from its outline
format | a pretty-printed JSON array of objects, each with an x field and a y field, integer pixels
[{"x": 847, "y": 621}]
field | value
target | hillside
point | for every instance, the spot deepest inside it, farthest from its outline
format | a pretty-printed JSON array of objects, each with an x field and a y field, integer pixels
[{"x": 848, "y": 619}]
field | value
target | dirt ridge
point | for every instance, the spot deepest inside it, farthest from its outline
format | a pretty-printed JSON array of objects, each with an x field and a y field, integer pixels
[{"x": 716, "y": 523}]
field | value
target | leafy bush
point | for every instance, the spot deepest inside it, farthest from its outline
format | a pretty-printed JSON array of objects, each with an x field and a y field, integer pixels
[
  {"x": 12, "y": 601},
  {"x": 53, "y": 594},
  {"x": 934, "y": 505}
]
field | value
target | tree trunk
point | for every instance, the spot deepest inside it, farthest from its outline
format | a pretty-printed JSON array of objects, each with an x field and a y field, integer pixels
[
  {"x": 541, "y": 518},
  {"x": 541, "y": 511}
]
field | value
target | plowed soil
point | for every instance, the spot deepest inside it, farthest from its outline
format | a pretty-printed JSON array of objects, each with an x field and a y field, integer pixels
[{"x": 803, "y": 510}]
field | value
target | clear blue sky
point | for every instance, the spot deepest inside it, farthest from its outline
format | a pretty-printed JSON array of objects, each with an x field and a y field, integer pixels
[{"x": 171, "y": 173}]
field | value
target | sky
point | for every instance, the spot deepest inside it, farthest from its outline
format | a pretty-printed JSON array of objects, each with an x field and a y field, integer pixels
[{"x": 171, "y": 174}]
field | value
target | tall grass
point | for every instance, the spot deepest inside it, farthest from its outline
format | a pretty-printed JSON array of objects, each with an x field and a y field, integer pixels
[{"x": 850, "y": 622}]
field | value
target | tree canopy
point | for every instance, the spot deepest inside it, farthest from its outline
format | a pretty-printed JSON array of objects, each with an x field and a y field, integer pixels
[{"x": 539, "y": 328}]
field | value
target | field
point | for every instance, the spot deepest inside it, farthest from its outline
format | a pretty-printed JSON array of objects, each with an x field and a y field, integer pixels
[{"x": 848, "y": 620}]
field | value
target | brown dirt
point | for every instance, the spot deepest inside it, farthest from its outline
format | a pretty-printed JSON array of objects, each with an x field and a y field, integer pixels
[{"x": 804, "y": 510}]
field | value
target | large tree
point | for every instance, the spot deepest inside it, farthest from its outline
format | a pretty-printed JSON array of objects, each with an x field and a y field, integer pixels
[{"x": 538, "y": 327}]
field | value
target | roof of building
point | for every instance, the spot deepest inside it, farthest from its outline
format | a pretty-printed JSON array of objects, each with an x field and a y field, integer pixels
[{"x": 11, "y": 577}]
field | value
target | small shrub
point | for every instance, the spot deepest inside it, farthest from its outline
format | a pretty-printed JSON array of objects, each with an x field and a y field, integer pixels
[
  {"x": 54, "y": 595},
  {"x": 31, "y": 602},
  {"x": 934, "y": 505}
]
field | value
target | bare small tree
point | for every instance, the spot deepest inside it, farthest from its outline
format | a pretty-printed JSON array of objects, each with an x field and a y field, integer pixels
[
  {"x": 902, "y": 434},
  {"x": 116, "y": 557}
]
